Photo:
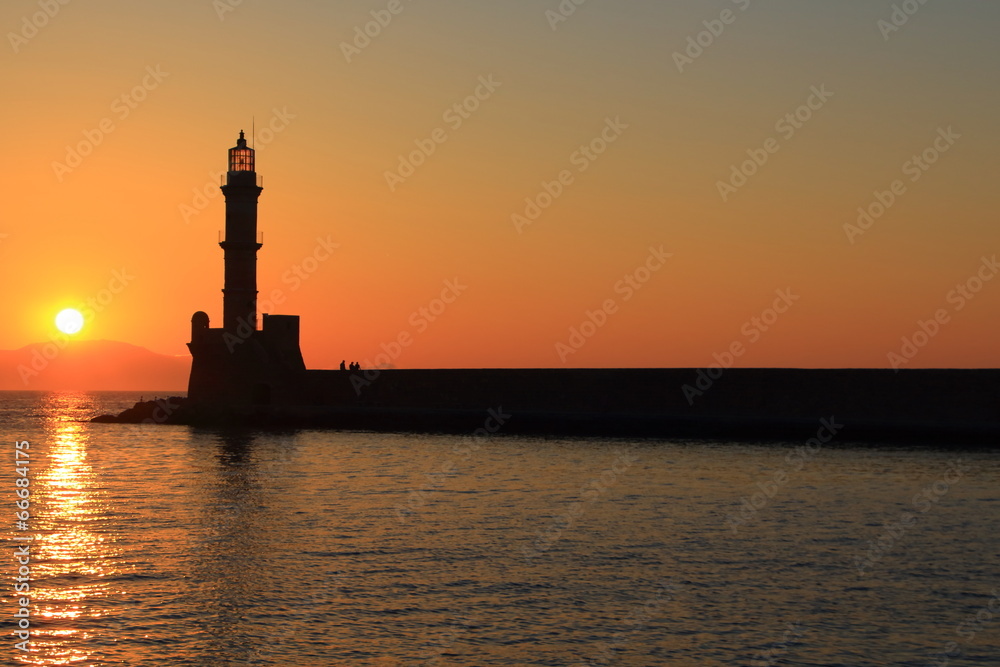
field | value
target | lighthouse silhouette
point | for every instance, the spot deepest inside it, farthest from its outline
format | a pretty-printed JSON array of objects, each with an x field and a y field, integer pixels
[
  {"x": 239, "y": 364},
  {"x": 242, "y": 190}
]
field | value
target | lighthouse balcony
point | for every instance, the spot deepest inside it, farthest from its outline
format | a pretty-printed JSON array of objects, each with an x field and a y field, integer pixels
[
  {"x": 241, "y": 178},
  {"x": 259, "y": 238}
]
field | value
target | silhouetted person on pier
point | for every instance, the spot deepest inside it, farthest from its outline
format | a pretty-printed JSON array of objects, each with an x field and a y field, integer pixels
[{"x": 343, "y": 365}]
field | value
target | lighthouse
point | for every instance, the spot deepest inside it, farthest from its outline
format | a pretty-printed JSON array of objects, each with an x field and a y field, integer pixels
[
  {"x": 241, "y": 243},
  {"x": 238, "y": 364}
]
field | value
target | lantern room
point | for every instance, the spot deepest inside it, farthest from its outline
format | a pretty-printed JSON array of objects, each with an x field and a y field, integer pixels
[{"x": 241, "y": 158}]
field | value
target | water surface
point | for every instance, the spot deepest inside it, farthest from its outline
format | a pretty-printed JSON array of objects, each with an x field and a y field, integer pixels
[{"x": 167, "y": 545}]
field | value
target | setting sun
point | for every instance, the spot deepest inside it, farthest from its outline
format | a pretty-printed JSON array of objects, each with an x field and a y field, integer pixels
[{"x": 69, "y": 321}]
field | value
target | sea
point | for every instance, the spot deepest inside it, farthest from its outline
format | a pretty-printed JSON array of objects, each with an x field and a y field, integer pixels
[{"x": 158, "y": 545}]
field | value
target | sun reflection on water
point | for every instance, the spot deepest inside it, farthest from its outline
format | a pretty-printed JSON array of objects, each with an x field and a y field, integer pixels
[{"x": 73, "y": 555}]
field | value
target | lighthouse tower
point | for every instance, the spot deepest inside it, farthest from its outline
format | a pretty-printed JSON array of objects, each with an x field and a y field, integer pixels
[
  {"x": 239, "y": 296},
  {"x": 238, "y": 365}
]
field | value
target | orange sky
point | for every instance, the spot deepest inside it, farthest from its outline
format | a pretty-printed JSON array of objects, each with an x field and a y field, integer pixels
[{"x": 193, "y": 74}]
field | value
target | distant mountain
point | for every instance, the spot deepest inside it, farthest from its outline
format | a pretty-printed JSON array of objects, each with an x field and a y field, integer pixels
[{"x": 93, "y": 365}]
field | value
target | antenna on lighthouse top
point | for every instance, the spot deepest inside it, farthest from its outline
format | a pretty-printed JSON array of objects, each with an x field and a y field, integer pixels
[{"x": 253, "y": 131}]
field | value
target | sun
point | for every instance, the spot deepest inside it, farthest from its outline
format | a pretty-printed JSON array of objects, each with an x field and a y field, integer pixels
[{"x": 69, "y": 321}]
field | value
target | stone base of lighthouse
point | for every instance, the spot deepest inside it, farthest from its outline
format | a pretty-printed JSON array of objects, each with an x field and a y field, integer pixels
[{"x": 245, "y": 368}]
